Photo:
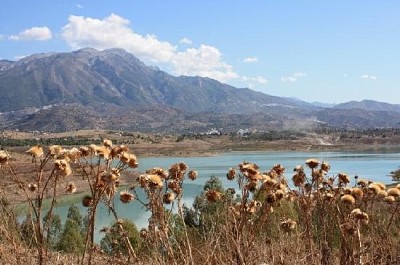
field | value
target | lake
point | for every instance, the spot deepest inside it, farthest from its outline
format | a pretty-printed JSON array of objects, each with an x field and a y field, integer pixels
[{"x": 372, "y": 165}]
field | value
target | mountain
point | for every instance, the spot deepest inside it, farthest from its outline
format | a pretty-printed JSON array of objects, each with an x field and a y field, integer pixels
[
  {"x": 356, "y": 118},
  {"x": 369, "y": 105},
  {"x": 112, "y": 89},
  {"x": 117, "y": 77}
]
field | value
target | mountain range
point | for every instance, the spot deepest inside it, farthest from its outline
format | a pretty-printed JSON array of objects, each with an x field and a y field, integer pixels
[{"x": 112, "y": 89}]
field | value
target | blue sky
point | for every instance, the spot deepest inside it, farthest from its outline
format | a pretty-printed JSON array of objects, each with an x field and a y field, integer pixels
[{"x": 328, "y": 51}]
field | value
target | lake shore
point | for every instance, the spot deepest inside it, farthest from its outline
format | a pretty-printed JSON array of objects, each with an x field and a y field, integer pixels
[{"x": 204, "y": 146}]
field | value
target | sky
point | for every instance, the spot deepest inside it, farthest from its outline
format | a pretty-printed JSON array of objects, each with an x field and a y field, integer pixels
[{"x": 314, "y": 50}]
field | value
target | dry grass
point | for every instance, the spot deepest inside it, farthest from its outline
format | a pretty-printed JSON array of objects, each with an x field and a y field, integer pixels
[{"x": 310, "y": 217}]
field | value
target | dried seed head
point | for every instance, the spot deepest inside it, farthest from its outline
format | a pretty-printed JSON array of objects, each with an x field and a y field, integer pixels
[
  {"x": 325, "y": 166},
  {"x": 375, "y": 189},
  {"x": 389, "y": 199},
  {"x": 381, "y": 185},
  {"x": 358, "y": 215},
  {"x": 103, "y": 151},
  {"x": 130, "y": 159},
  {"x": 107, "y": 143},
  {"x": 158, "y": 171},
  {"x": 36, "y": 151},
  {"x": 347, "y": 190},
  {"x": 279, "y": 194},
  {"x": 393, "y": 192},
  {"x": 252, "y": 185},
  {"x": 343, "y": 178},
  {"x": 288, "y": 225},
  {"x": 298, "y": 168},
  {"x": 357, "y": 193},
  {"x": 55, "y": 150},
  {"x": 231, "y": 174},
  {"x": 213, "y": 195},
  {"x": 126, "y": 196},
  {"x": 144, "y": 233},
  {"x": 63, "y": 167},
  {"x": 168, "y": 197},
  {"x": 192, "y": 174},
  {"x": 348, "y": 199},
  {"x": 279, "y": 169},
  {"x": 87, "y": 201},
  {"x": 312, "y": 163},
  {"x": 73, "y": 154},
  {"x": 299, "y": 178},
  {"x": 85, "y": 151},
  {"x": 382, "y": 194},
  {"x": 349, "y": 228},
  {"x": 154, "y": 181},
  {"x": 362, "y": 183},
  {"x": 32, "y": 187},
  {"x": 4, "y": 157},
  {"x": 110, "y": 176},
  {"x": 182, "y": 166},
  {"x": 328, "y": 196},
  {"x": 70, "y": 188}
]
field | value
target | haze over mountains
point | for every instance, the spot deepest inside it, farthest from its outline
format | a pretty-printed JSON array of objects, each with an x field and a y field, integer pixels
[{"x": 112, "y": 89}]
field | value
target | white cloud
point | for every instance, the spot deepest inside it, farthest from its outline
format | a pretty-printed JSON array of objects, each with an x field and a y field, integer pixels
[
  {"x": 258, "y": 79},
  {"x": 114, "y": 31},
  {"x": 79, "y": 6},
  {"x": 35, "y": 33},
  {"x": 370, "y": 77},
  {"x": 204, "y": 61},
  {"x": 294, "y": 77},
  {"x": 185, "y": 41},
  {"x": 1, "y": 37},
  {"x": 299, "y": 75},
  {"x": 250, "y": 60}
]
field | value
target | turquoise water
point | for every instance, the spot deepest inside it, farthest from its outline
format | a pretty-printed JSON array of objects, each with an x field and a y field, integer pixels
[{"x": 374, "y": 166}]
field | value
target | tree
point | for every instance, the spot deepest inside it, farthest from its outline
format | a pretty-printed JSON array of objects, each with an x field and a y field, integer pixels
[
  {"x": 113, "y": 242},
  {"x": 75, "y": 214},
  {"x": 71, "y": 240},
  {"x": 54, "y": 229}
]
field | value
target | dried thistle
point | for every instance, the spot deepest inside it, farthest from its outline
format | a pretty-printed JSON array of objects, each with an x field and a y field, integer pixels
[
  {"x": 107, "y": 143},
  {"x": 213, "y": 195},
  {"x": 130, "y": 159},
  {"x": 231, "y": 174},
  {"x": 36, "y": 151},
  {"x": 348, "y": 199},
  {"x": 126, "y": 197},
  {"x": 168, "y": 197},
  {"x": 87, "y": 201},
  {"x": 70, "y": 188},
  {"x": 192, "y": 174},
  {"x": 4, "y": 157},
  {"x": 393, "y": 192},
  {"x": 312, "y": 163},
  {"x": 32, "y": 187},
  {"x": 343, "y": 178}
]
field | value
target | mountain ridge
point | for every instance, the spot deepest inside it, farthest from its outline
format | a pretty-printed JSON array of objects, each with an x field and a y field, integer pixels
[{"x": 96, "y": 87}]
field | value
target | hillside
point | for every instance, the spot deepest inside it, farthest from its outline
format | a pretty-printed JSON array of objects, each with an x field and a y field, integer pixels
[{"x": 112, "y": 89}]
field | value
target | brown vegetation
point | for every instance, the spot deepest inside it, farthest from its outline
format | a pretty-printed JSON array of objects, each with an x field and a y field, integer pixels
[{"x": 313, "y": 218}]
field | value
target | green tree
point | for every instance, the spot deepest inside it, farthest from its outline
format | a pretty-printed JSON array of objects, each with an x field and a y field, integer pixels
[
  {"x": 113, "y": 243},
  {"x": 54, "y": 229},
  {"x": 75, "y": 214},
  {"x": 71, "y": 240}
]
